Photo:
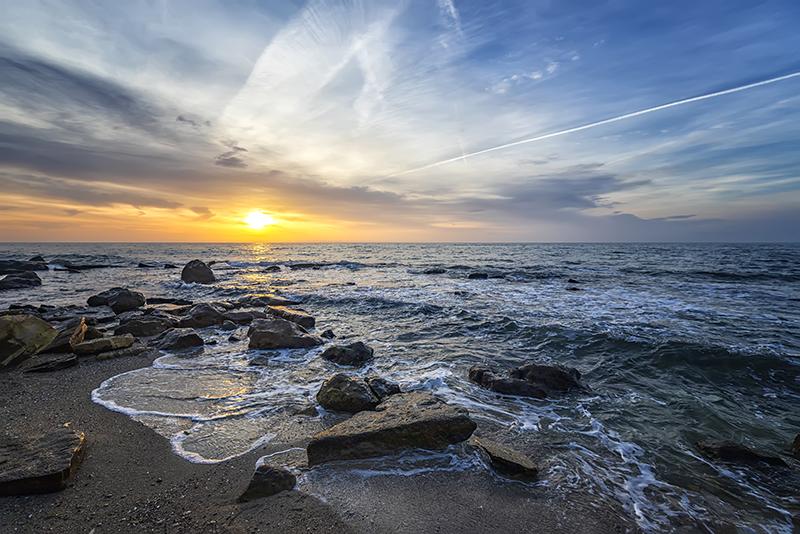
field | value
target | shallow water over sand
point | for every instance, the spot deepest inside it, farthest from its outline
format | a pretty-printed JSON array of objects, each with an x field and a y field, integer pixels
[{"x": 677, "y": 343}]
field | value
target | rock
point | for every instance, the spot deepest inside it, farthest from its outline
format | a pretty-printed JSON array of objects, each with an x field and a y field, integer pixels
[
  {"x": 16, "y": 266},
  {"x": 179, "y": 339},
  {"x": 796, "y": 446},
  {"x": 72, "y": 334},
  {"x": 272, "y": 269},
  {"x": 381, "y": 387},
  {"x": 228, "y": 326},
  {"x": 145, "y": 326},
  {"x": 103, "y": 344},
  {"x": 436, "y": 270},
  {"x": 478, "y": 276},
  {"x": 169, "y": 300},
  {"x": 346, "y": 394},
  {"x": 505, "y": 460},
  {"x": 91, "y": 333},
  {"x": 22, "y": 280},
  {"x": 573, "y": 288},
  {"x": 233, "y": 338},
  {"x": 353, "y": 354},
  {"x": 404, "y": 421},
  {"x": 328, "y": 334},
  {"x": 296, "y": 316},
  {"x": 277, "y": 333},
  {"x": 37, "y": 259},
  {"x": 44, "y": 363},
  {"x": 21, "y": 336},
  {"x": 137, "y": 349},
  {"x": 531, "y": 380},
  {"x": 244, "y": 317},
  {"x": 170, "y": 266},
  {"x": 118, "y": 299},
  {"x": 268, "y": 480},
  {"x": 146, "y": 266},
  {"x": 202, "y": 315},
  {"x": 262, "y": 301},
  {"x": 39, "y": 463},
  {"x": 729, "y": 451},
  {"x": 199, "y": 272},
  {"x": 572, "y": 281}
]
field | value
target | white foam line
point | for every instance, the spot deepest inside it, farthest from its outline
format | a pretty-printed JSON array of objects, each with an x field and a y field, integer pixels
[{"x": 602, "y": 122}]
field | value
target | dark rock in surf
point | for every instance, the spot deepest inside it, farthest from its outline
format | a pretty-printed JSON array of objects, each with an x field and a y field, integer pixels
[
  {"x": 381, "y": 387},
  {"x": 729, "y": 451},
  {"x": 404, "y": 421},
  {"x": 328, "y": 334},
  {"x": 169, "y": 300},
  {"x": 170, "y": 266},
  {"x": 796, "y": 446},
  {"x": 573, "y": 288},
  {"x": 296, "y": 316},
  {"x": 506, "y": 460},
  {"x": 198, "y": 272},
  {"x": 37, "y": 259},
  {"x": 228, "y": 326},
  {"x": 16, "y": 266},
  {"x": 354, "y": 354},
  {"x": 40, "y": 463},
  {"x": 262, "y": 301},
  {"x": 552, "y": 378},
  {"x": 244, "y": 317},
  {"x": 21, "y": 336},
  {"x": 202, "y": 315},
  {"x": 146, "y": 266},
  {"x": 47, "y": 362},
  {"x": 179, "y": 339},
  {"x": 436, "y": 270},
  {"x": 345, "y": 393},
  {"x": 277, "y": 333},
  {"x": 572, "y": 281},
  {"x": 272, "y": 269},
  {"x": 118, "y": 299},
  {"x": 478, "y": 276},
  {"x": 23, "y": 280},
  {"x": 484, "y": 377},
  {"x": 268, "y": 480}
]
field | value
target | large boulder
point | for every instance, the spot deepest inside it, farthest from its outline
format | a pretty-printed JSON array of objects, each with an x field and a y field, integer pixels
[
  {"x": 268, "y": 480},
  {"x": 16, "y": 266},
  {"x": 71, "y": 334},
  {"x": 202, "y": 315},
  {"x": 732, "y": 452},
  {"x": 345, "y": 393},
  {"x": 199, "y": 272},
  {"x": 39, "y": 463},
  {"x": 354, "y": 354},
  {"x": 21, "y": 336},
  {"x": 531, "y": 380},
  {"x": 404, "y": 421},
  {"x": 179, "y": 339},
  {"x": 506, "y": 460},
  {"x": 277, "y": 333},
  {"x": 296, "y": 316},
  {"x": 21, "y": 280},
  {"x": 103, "y": 344},
  {"x": 119, "y": 299}
]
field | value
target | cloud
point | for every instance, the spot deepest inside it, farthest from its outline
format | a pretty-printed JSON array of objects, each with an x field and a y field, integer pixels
[{"x": 203, "y": 213}]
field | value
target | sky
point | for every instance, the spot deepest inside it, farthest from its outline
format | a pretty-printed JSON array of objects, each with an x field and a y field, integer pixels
[{"x": 397, "y": 120}]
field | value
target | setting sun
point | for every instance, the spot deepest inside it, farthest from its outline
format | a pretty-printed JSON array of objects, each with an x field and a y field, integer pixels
[{"x": 257, "y": 220}]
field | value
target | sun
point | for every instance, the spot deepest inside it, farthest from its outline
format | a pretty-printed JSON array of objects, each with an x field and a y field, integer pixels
[{"x": 257, "y": 220}]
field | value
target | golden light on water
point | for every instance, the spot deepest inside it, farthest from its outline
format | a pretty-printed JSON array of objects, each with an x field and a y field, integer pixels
[{"x": 257, "y": 220}]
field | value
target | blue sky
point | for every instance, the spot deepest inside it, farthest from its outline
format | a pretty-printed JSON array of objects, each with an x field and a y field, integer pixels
[{"x": 137, "y": 113}]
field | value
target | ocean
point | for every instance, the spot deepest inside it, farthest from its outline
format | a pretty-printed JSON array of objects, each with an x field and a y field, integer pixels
[{"x": 676, "y": 342}]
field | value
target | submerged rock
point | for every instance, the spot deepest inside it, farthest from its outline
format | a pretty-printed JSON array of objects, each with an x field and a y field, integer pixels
[
  {"x": 505, "y": 460},
  {"x": 404, "y": 421},
  {"x": 530, "y": 380},
  {"x": 354, "y": 354},
  {"x": 198, "y": 272},
  {"x": 268, "y": 480},
  {"x": 22, "y": 280},
  {"x": 21, "y": 336},
  {"x": 202, "y": 315},
  {"x": 296, "y": 316},
  {"x": 435, "y": 270},
  {"x": 40, "y": 463},
  {"x": 328, "y": 334},
  {"x": 478, "y": 276},
  {"x": 345, "y": 393},
  {"x": 729, "y": 451},
  {"x": 47, "y": 362},
  {"x": 277, "y": 333},
  {"x": 179, "y": 339},
  {"x": 103, "y": 344}
]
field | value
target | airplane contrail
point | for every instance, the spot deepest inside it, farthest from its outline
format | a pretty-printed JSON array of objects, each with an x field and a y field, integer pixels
[{"x": 601, "y": 123}]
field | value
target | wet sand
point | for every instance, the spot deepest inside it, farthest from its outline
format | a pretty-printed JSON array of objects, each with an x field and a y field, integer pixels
[{"x": 130, "y": 481}]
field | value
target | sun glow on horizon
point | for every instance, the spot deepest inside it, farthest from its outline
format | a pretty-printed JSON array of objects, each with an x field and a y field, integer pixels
[{"x": 258, "y": 220}]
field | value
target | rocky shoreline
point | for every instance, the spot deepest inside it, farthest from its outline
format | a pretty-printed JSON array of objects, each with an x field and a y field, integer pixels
[{"x": 53, "y": 357}]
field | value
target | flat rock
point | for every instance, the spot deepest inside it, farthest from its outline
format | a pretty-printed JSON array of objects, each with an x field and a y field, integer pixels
[
  {"x": 354, "y": 354},
  {"x": 198, "y": 272},
  {"x": 21, "y": 280},
  {"x": 21, "y": 336},
  {"x": 179, "y": 339},
  {"x": 506, "y": 460},
  {"x": 730, "y": 451},
  {"x": 345, "y": 393},
  {"x": 136, "y": 349},
  {"x": 244, "y": 317},
  {"x": 103, "y": 344},
  {"x": 47, "y": 362},
  {"x": 404, "y": 421},
  {"x": 277, "y": 333},
  {"x": 41, "y": 463},
  {"x": 145, "y": 326},
  {"x": 300, "y": 317},
  {"x": 268, "y": 480}
]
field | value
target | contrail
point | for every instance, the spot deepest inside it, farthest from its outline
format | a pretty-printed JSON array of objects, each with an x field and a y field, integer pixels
[{"x": 601, "y": 123}]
